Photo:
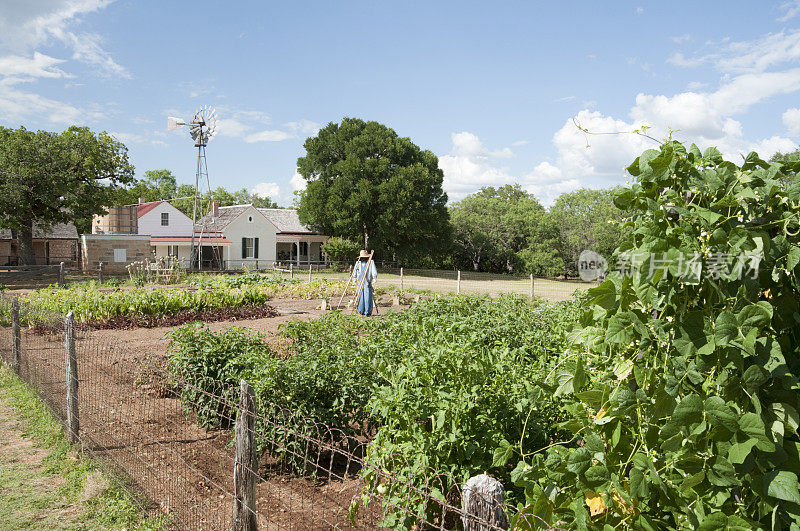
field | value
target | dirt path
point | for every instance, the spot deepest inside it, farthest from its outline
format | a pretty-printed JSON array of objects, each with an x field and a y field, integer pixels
[{"x": 29, "y": 495}]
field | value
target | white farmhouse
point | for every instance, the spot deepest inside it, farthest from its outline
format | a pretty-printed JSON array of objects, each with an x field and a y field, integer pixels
[
  {"x": 256, "y": 238},
  {"x": 170, "y": 230}
]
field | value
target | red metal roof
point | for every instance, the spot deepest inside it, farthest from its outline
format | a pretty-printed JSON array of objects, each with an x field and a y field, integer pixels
[
  {"x": 144, "y": 208},
  {"x": 187, "y": 239}
]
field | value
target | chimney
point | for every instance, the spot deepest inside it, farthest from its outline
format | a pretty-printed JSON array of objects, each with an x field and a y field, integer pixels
[
  {"x": 214, "y": 209},
  {"x": 141, "y": 200}
]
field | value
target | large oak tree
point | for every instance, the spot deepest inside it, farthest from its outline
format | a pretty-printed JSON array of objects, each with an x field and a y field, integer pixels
[
  {"x": 368, "y": 184},
  {"x": 48, "y": 178}
]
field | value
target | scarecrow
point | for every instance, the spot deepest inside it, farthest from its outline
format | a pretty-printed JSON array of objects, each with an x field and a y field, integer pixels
[{"x": 364, "y": 273}]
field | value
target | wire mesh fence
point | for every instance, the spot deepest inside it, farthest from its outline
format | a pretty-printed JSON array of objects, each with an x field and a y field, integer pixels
[{"x": 213, "y": 455}]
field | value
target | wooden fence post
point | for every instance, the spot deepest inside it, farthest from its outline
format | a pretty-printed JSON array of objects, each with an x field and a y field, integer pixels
[
  {"x": 482, "y": 503},
  {"x": 246, "y": 462},
  {"x": 401, "y": 280},
  {"x": 15, "y": 336},
  {"x": 61, "y": 274},
  {"x": 291, "y": 269},
  {"x": 100, "y": 273},
  {"x": 531, "y": 285},
  {"x": 71, "y": 363},
  {"x": 458, "y": 283}
]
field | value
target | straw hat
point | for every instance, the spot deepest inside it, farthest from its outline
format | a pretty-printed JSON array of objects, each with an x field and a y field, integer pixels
[{"x": 363, "y": 254}]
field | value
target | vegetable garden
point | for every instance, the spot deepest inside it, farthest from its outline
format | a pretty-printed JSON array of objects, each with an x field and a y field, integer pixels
[{"x": 665, "y": 398}]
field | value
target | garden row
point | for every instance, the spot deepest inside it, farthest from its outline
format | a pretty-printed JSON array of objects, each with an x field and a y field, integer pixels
[{"x": 208, "y": 298}]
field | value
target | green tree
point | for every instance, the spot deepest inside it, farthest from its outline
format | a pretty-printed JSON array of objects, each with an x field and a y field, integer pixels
[
  {"x": 339, "y": 249},
  {"x": 500, "y": 230},
  {"x": 367, "y": 184},
  {"x": 48, "y": 178},
  {"x": 157, "y": 185},
  {"x": 586, "y": 219}
]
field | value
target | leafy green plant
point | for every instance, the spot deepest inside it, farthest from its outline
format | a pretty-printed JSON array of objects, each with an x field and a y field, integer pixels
[
  {"x": 684, "y": 382},
  {"x": 90, "y": 303}
]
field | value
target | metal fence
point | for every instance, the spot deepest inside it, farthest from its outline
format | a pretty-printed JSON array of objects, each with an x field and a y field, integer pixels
[{"x": 213, "y": 455}]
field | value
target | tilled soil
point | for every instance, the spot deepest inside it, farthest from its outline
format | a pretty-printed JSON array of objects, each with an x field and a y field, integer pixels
[{"x": 133, "y": 420}]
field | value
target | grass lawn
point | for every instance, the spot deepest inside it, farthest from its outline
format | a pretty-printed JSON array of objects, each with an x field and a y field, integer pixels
[{"x": 44, "y": 484}]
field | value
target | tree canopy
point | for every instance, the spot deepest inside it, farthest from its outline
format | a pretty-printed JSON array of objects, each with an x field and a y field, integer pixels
[
  {"x": 366, "y": 183},
  {"x": 48, "y": 178},
  {"x": 493, "y": 226},
  {"x": 585, "y": 219}
]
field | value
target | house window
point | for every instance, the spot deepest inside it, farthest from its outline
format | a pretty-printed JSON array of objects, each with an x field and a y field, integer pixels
[
  {"x": 249, "y": 247},
  {"x": 249, "y": 219},
  {"x": 303, "y": 248},
  {"x": 165, "y": 219},
  {"x": 120, "y": 255},
  {"x": 172, "y": 250}
]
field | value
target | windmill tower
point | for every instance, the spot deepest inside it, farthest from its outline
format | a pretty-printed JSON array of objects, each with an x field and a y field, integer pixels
[{"x": 202, "y": 128}]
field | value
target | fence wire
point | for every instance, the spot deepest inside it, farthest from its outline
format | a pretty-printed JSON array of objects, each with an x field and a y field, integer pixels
[{"x": 168, "y": 438}]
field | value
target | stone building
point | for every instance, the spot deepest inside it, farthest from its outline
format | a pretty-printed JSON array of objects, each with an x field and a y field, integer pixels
[{"x": 57, "y": 244}]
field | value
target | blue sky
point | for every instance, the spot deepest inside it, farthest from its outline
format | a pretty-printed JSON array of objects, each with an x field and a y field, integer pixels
[{"x": 492, "y": 88}]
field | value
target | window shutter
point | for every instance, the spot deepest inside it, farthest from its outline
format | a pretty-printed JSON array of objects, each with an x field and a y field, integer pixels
[
  {"x": 244, "y": 247},
  {"x": 255, "y": 247}
]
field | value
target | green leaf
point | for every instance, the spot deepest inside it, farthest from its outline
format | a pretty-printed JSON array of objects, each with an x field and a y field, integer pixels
[
  {"x": 726, "y": 328},
  {"x": 721, "y": 473},
  {"x": 793, "y": 258},
  {"x": 720, "y": 414},
  {"x": 620, "y": 328},
  {"x": 604, "y": 295},
  {"x": 502, "y": 454},
  {"x": 782, "y": 485},
  {"x": 753, "y": 377},
  {"x": 756, "y": 315},
  {"x": 738, "y": 452},
  {"x": 580, "y": 461},
  {"x": 751, "y": 424}
]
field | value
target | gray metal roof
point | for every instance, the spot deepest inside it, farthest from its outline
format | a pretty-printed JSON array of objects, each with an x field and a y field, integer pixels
[
  {"x": 284, "y": 219},
  {"x": 221, "y": 222},
  {"x": 58, "y": 231}
]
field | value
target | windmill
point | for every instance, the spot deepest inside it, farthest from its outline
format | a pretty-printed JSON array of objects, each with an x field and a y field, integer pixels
[{"x": 202, "y": 129}]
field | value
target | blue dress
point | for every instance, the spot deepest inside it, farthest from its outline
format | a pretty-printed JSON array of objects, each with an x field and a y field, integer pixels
[{"x": 365, "y": 300}]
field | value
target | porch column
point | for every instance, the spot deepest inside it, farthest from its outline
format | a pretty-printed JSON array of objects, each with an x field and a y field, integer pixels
[{"x": 297, "y": 246}]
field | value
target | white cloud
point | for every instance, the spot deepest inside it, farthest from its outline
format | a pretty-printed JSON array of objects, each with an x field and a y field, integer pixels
[
  {"x": 469, "y": 166},
  {"x": 696, "y": 85},
  {"x": 791, "y": 119},
  {"x": 303, "y": 127},
  {"x": 742, "y": 57},
  {"x": 520, "y": 143},
  {"x": 273, "y": 135},
  {"x": 86, "y": 48},
  {"x": 639, "y": 10},
  {"x": 267, "y": 190},
  {"x": 790, "y": 9},
  {"x": 245, "y": 124},
  {"x": 26, "y": 25},
  {"x": 24, "y": 68},
  {"x": 135, "y": 138},
  {"x": 297, "y": 182},
  {"x": 16, "y": 105},
  {"x": 681, "y": 38}
]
